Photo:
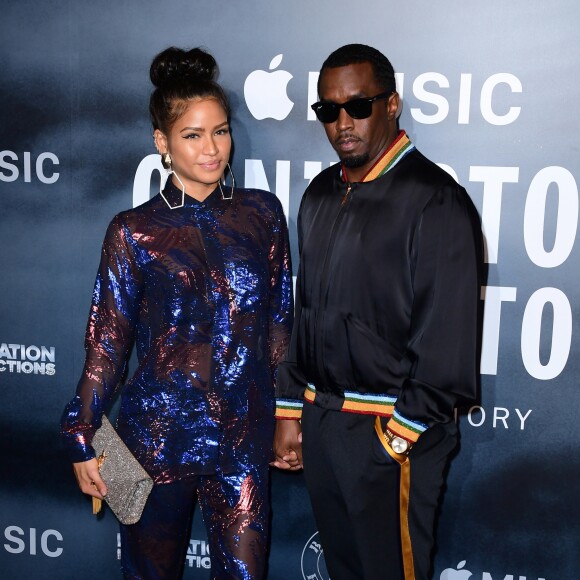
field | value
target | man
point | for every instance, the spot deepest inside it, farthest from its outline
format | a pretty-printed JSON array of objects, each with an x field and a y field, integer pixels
[{"x": 385, "y": 340}]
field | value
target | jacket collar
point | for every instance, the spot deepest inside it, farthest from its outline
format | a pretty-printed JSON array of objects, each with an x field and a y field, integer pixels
[{"x": 392, "y": 155}]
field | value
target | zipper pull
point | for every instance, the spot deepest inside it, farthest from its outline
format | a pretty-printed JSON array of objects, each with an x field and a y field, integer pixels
[{"x": 345, "y": 197}]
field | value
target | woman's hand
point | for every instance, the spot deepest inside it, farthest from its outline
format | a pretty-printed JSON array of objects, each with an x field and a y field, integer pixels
[
  {"x": 89, "y": 478},
  {"x": 288, "y": 445}
]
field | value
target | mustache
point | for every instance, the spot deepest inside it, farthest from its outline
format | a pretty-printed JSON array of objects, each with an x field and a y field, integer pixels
[{"x": 346, "y": 137}]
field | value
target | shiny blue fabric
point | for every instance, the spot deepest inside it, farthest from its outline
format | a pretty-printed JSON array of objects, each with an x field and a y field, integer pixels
[
  {"x": 235, "y": 510},
  {"x": 205, "y": 293}
]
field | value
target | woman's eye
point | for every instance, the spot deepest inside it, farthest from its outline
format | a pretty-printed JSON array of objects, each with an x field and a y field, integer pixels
[
  {"x": 222, "y": 131},
  {"x": 192, "y": 136}
]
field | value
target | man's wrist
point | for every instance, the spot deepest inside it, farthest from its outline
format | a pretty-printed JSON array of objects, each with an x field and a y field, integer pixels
[{"x": 397, "y": 443}]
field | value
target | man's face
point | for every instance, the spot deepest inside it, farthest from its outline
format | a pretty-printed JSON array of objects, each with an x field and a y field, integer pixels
[{"x": 358, "y": 142}]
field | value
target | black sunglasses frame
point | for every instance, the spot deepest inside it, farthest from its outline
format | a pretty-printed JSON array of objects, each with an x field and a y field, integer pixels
[{"x": 333, "y": 109}]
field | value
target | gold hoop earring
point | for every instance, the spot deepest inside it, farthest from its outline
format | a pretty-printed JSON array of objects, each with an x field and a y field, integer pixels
[{"x": 223, "y": 179}]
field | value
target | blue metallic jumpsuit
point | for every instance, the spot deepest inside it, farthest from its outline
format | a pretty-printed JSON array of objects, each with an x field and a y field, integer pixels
[{"x": 205, "y": 293}]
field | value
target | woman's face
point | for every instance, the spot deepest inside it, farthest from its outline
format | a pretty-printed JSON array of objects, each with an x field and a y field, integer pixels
[{"x": 199, "y": 143}]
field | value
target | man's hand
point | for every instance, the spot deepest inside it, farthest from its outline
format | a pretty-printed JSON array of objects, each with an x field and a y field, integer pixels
[{"x": 288, "y": 445}]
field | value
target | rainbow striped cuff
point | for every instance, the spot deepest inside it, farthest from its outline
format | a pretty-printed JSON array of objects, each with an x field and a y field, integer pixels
[
  {"x": 368, "y": 404},
  {"x": 288, "y": 409},
  {"x": 310, "y": 393},
  {"x": 364, "y": 403},
  {"x": 405, "y": 428}
]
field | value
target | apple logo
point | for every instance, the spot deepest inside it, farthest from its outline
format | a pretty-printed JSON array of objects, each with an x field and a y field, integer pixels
[
  {"x": 265, "y": 92},
  {"x": 452, "y": 574}
]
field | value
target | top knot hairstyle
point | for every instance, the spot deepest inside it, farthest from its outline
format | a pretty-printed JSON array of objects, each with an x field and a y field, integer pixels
[
  {"x": 181, "y": 76},
  {"x": 357, "y": 53}
]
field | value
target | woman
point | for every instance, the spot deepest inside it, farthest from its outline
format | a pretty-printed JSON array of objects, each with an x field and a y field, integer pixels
[{"x": 199, "y": 278}]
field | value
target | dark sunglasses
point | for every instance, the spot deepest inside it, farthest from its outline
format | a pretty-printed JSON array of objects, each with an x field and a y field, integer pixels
[{"x": 327, "y": 111}]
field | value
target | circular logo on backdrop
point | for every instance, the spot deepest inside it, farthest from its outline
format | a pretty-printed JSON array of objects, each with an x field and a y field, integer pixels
[{"x": 312, "y": 561}]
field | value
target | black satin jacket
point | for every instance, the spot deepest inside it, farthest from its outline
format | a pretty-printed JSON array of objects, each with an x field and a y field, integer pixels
[{"x": 388, "y": 297}]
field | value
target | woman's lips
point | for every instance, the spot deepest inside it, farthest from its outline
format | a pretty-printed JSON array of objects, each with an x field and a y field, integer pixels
[{"x": 211, "y": 165}]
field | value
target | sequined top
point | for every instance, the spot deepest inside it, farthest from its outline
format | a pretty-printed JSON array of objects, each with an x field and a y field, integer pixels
[{"x": 205, "y": 293}]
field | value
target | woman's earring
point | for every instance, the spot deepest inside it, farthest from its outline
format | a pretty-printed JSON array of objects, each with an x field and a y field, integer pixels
[
  {"x": 166, "y": 162},
  {"x": 223, "y": 180}
]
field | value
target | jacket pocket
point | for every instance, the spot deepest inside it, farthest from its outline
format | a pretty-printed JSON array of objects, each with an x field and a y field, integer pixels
[{"x": 376, "y": 365}]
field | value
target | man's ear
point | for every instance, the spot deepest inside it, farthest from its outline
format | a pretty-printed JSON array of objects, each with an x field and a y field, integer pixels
[{"x": 393, "y": 106}]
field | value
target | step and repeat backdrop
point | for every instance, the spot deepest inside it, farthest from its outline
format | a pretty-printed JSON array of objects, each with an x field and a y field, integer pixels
[{"x": 490, "y": 91}]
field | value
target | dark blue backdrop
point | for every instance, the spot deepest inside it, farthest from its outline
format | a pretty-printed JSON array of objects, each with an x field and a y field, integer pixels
[{"x": 490, "y": 91}]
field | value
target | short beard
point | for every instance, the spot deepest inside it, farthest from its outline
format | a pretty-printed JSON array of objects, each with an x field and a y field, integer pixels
[{"x": 355, "y": 161}]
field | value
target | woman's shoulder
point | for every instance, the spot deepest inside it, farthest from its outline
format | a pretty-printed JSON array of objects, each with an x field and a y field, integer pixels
[
  {"x": 264, "y": 198},
  {"x": 141, "y": 211},
  {"x": 135, "y": 217}
]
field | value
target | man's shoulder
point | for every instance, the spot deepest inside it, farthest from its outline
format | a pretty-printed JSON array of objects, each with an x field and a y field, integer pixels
[
  {"x": 325, "y": 178},
  {"x": 420, "y": 167},
  {"x": 424, "y": 181},
  {"x": 321, "y": 186}
]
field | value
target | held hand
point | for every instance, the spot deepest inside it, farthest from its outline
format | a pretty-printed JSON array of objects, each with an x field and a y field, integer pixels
[
  {"x": 288, "y": 445},
  {"x": 89, "y": 478}
]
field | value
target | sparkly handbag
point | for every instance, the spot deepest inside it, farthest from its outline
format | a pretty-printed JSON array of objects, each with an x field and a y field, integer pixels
[{"x": 128, "y": 484}]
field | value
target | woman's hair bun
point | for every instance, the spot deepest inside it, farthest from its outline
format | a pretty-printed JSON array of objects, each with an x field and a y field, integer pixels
[{"x": 174, "y": 64}]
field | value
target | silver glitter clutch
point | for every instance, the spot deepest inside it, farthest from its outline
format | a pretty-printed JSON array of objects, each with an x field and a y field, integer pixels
[{"x": 128, "y": 484}]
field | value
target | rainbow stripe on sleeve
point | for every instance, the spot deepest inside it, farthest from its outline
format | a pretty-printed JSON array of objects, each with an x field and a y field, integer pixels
[
  {"x": 288, "y": 409},
  {"x": 405, "y": 428}
]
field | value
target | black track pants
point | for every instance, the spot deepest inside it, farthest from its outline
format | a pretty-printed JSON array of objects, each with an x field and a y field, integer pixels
[{"x": 355, "y": 491}]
